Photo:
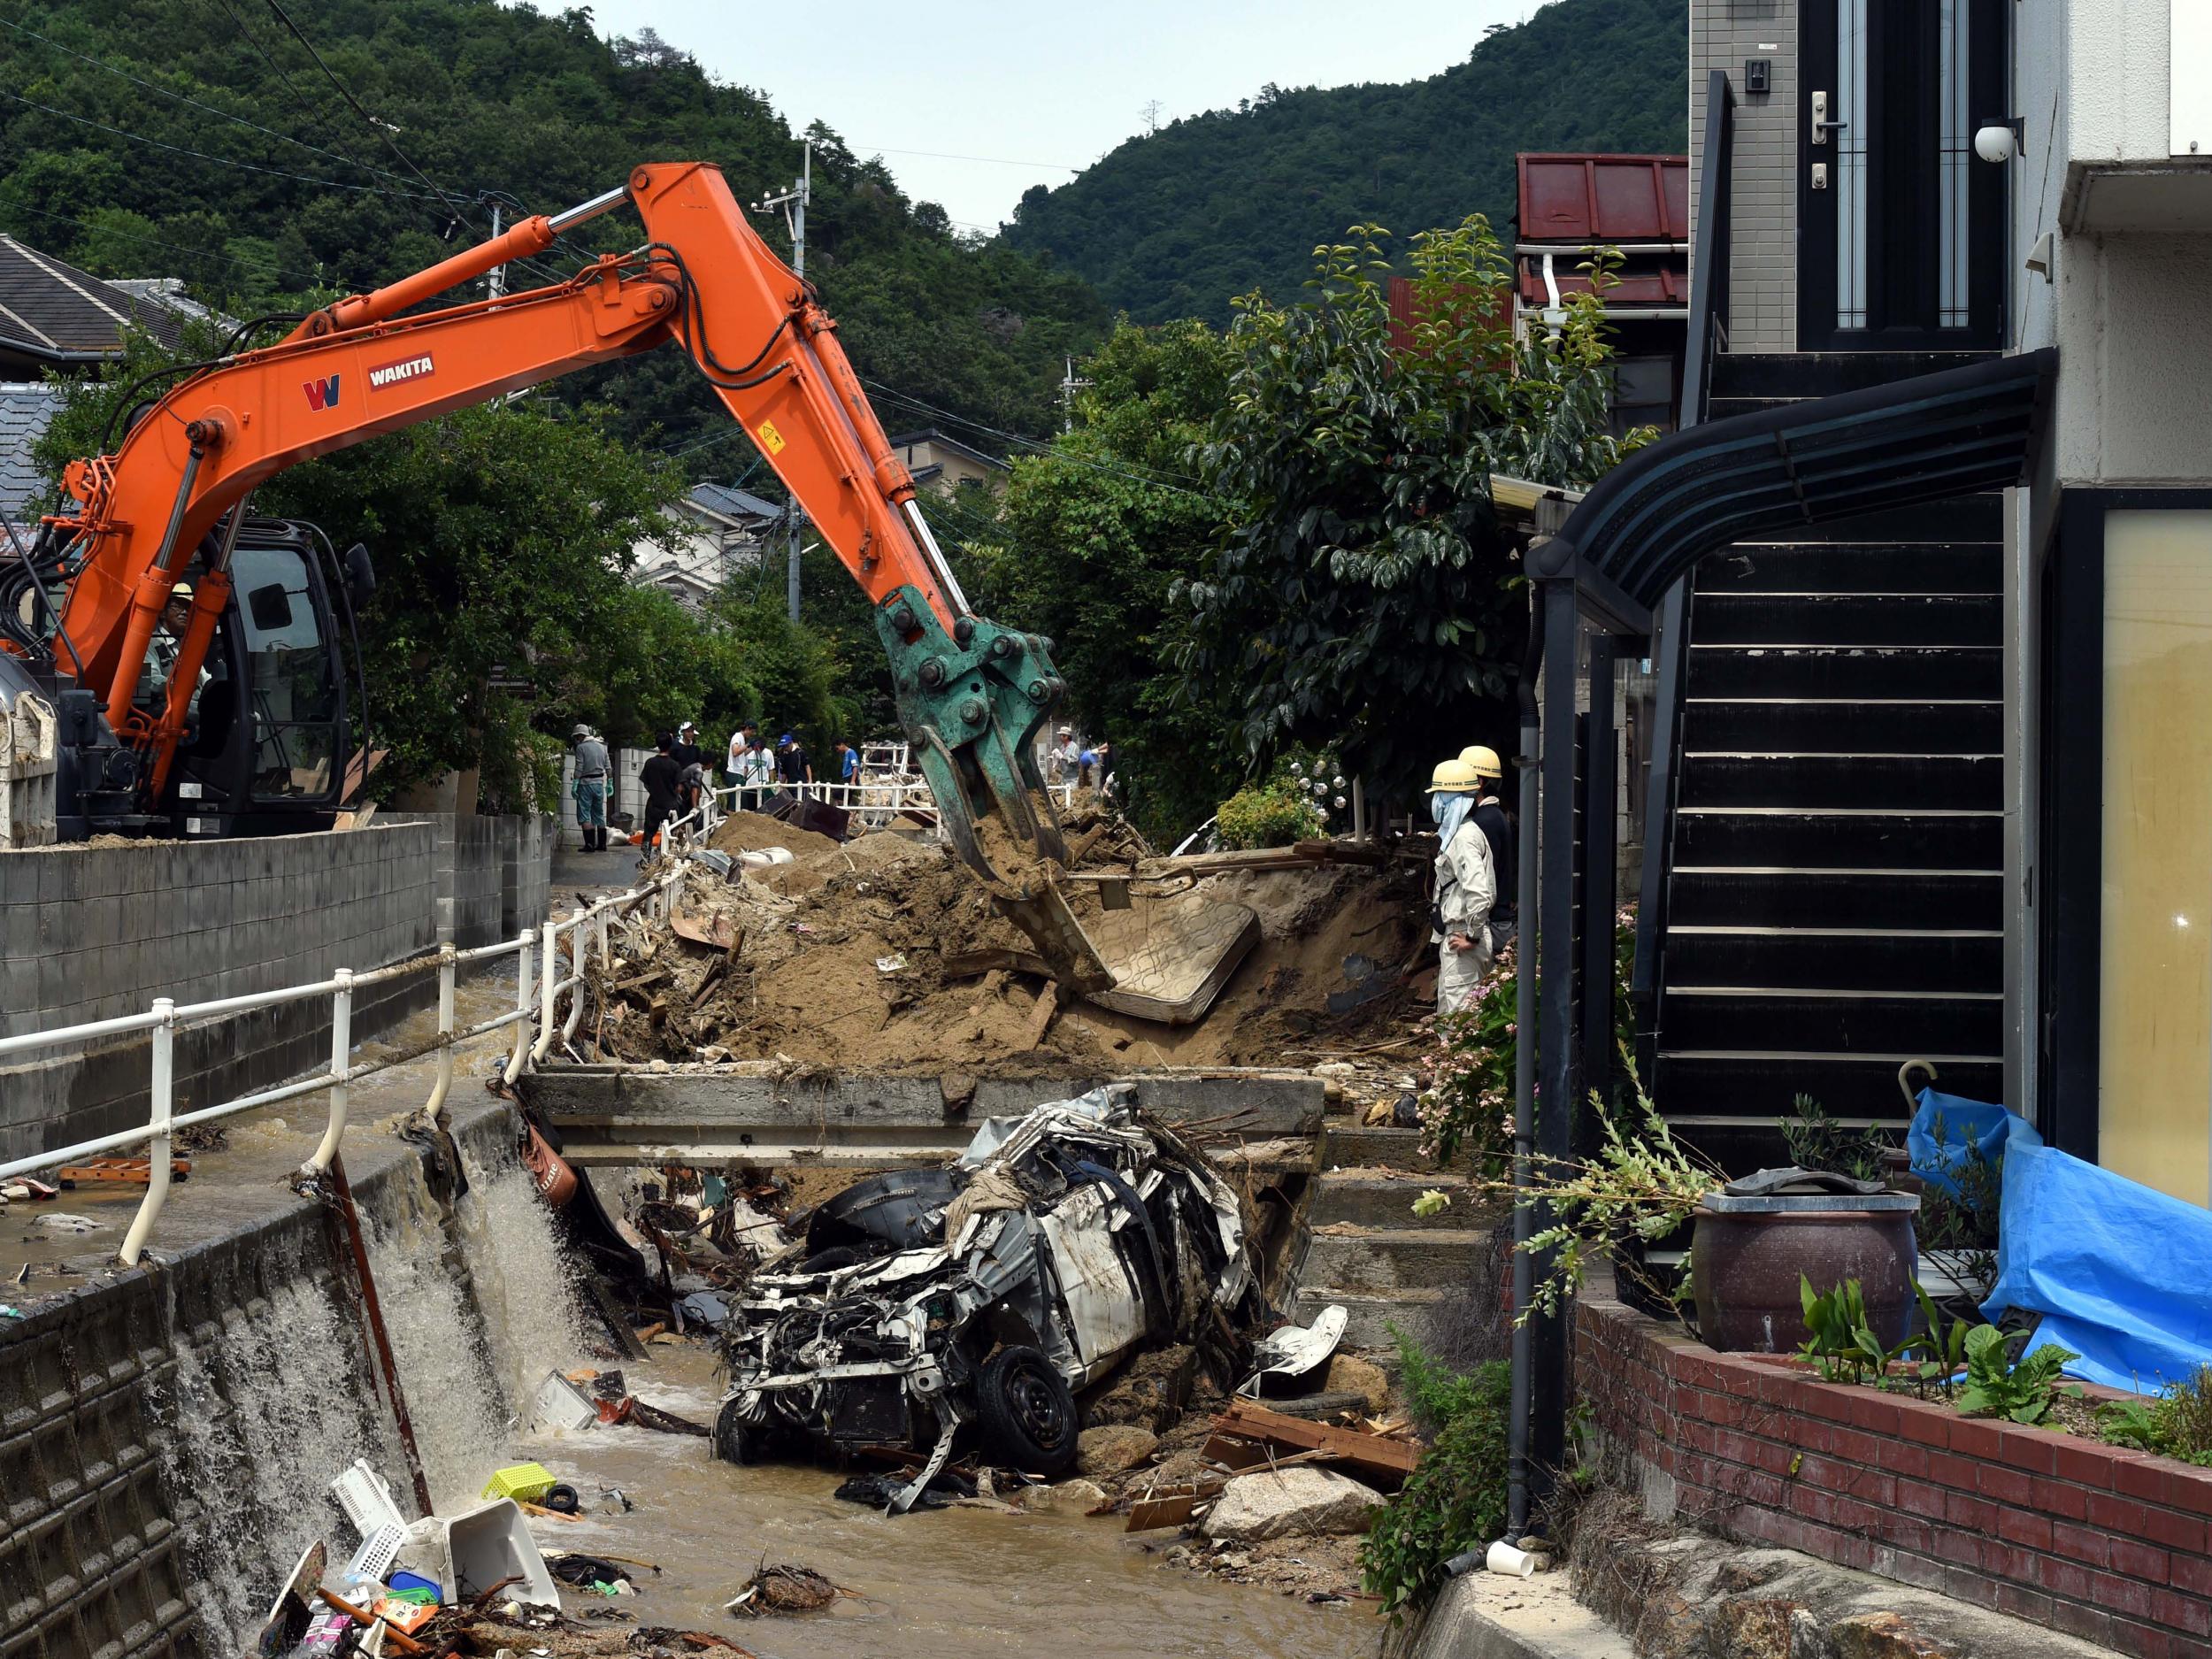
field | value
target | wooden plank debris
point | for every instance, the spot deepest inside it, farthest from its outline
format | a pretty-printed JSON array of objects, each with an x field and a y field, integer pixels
[
  {"x": 119, "y": 1171},
  {"x": 1040, "y": 1019},
  {"x": 1248, "y": 1434}
]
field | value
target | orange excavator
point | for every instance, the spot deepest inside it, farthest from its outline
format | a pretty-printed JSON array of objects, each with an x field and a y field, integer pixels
[{"x": 197, "y": 658}]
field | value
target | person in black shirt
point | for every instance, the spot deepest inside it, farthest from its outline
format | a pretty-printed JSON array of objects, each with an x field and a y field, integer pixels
[
  {"x": 1496, "y": 824},
  {"x": 661, "y": 779},
  {"x": 692, "y": 759},
  {"x": 791, "y": 762}
]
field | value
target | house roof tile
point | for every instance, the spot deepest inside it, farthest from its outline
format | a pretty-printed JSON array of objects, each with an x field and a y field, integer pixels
[{"x": 53, "y": 310}]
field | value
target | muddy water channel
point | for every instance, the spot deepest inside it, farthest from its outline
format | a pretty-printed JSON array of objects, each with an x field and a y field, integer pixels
[{"x": 927, "y": 1585}]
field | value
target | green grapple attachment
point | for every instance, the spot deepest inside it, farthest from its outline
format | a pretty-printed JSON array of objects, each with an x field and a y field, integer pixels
[{"x": 970, "y": 703}]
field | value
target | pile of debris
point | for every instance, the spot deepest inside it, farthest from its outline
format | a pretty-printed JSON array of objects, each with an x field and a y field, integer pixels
[
  {"x": 974, "y": 1302},
  {"x": 885, "y": 953}
]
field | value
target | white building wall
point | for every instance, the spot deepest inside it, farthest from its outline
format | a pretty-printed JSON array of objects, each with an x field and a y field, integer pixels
[
  {"x": 2116, "y": 98},
  {"x": 2132, "y": 316},
  {"x": 1763, "y": 211}
]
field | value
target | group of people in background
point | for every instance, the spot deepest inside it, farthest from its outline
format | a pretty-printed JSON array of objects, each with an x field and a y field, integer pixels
[
  {"x": 1474, "y": 913},
  {"x": 1069, "y": 762},
  {"x": 674, "y": 776}
]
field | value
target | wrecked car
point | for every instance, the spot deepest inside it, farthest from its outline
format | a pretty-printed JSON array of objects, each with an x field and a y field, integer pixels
[{"x": 970, "y": 1303}]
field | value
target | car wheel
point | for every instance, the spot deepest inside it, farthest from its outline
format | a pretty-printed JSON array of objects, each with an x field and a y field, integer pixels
[
  {"x": 1027, "y": 1412},
  {"x": 736, "y": 1440}
]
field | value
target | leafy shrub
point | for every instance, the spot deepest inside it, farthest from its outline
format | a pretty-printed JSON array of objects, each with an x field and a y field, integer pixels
[
  {"x": 1467, "y": 1106},
  {"x": 2021, "y": 1392},
  {"x": 1455, "y": 1498},
  {"x": 2176, "y": 1423},
  {"x": 1817, "y": 1142},
  {"x": 1839, "y": 1341},
  {"x": 1274, "y": 814}
]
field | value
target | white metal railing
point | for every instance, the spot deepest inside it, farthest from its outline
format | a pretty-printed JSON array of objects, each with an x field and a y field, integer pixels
[
  {"x": 537, "y": 993},
  {"x": 874, "y": 802}
]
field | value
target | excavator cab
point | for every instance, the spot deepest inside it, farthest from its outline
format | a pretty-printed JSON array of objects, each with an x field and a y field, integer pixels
[{"x": 274, "y": 738}]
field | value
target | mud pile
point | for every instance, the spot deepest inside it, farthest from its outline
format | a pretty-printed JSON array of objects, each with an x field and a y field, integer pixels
[{"x": 862, "y": 956}]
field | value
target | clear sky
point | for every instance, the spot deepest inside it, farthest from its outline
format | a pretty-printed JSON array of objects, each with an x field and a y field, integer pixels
[{"x": 1051, "y": 85}]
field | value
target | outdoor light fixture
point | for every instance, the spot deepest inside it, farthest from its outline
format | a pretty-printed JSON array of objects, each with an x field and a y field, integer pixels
[{"x": 1999, "y": 140}]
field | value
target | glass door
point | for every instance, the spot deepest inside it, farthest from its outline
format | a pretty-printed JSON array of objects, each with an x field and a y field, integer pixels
[{"x": 1901, "y": 228}]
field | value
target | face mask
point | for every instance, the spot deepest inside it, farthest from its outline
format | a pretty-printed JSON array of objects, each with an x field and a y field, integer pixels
[{"x": 1436, "y": 809}]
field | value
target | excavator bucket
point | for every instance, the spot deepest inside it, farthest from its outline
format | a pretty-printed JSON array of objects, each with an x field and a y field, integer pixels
[{"x": 972, "y": 705}]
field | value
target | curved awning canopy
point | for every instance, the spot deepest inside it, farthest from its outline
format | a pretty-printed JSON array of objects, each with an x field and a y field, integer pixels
[{"x": 1929, "y": 438}]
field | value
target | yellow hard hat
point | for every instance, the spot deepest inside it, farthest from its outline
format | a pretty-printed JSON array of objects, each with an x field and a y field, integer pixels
[
  {"x": 1452, "y": 777},
  {"x": 1484, "y": 759}
]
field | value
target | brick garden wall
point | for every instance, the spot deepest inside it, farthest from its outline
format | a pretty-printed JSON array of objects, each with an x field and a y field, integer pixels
[{"x": 2101, "y": 1542}]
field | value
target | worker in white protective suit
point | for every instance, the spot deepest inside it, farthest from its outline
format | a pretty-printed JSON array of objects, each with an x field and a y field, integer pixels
[{"x": 1466, "y": 885}]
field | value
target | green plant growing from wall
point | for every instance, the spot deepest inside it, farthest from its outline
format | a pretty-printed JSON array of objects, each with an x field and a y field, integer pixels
[
  {"x": 1839, "y": 1341},
  {"x": 1455, "y": 1495},
  {"x": 1994, "y": 1389},
  {"x": 2176, "y": 1423}
]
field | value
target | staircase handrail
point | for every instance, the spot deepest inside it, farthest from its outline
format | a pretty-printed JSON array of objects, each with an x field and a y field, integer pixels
[{"x": 1708, "y": 336}]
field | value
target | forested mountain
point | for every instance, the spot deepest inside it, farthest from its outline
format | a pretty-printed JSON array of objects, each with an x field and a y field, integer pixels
[
  {"x": 1174, "y": 222},
  {"x": 269, "y": 149}
]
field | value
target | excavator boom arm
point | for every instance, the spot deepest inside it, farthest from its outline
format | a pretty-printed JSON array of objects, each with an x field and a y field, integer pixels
[{"x": 971, "y": 694}]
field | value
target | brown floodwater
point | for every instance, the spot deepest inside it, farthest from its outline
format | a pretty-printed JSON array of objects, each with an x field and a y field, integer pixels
[{"x": 927, "y": 1585}]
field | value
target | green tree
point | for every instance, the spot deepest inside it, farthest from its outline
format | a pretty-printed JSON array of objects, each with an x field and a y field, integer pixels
[
  {"x": 1172, "y": 223},
  {"x": 1364, "y": 600},
  {"x": 204, "y": 142},
  {"x": 1093, "y": 533},
  {"x": 502, "y": 538}
]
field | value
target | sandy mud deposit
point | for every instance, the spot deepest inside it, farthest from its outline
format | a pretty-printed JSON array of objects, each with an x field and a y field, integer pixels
[{"x": 875, "y": 954}]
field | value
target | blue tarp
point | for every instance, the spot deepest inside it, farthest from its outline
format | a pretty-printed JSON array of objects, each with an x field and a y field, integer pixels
[
  {"x": 2122, "y": 1274},
  {"x": 1968, "y": 1124}
]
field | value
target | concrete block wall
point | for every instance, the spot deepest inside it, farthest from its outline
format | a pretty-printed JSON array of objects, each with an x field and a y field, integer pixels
[
  {"x": 526, "y": 885},
  {"x": 96, "y": 932},
  {"x": 468, "y": 858},
  {"x": 1763, "y": 212}
]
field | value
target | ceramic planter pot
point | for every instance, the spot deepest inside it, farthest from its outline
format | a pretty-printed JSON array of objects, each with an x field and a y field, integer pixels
[{"x": 1747, "y": 1253}]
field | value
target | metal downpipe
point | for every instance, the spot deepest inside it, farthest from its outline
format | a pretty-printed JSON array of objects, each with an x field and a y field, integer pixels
[{"x": 1524, "y": 1071}]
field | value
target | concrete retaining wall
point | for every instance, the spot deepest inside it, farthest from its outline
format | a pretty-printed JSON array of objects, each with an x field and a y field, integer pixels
[
  {"x": 621, "y": 1115},
  {"x": 97, "y": 932},
  {"x": 466, "y": 871},
  {"x": 526, "y": 884},
  {"x": 142, "y": 1419}
]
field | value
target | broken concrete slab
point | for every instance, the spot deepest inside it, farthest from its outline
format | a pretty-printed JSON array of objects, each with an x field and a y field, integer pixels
[
  {"x": 1274, "y": 1503},
  {"x": 755, "y": 1111},
  {"x": 1486, "y": 1616},
  {"x": 1684, "y": 1593}
]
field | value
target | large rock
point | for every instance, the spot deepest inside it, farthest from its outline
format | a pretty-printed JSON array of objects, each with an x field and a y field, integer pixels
[
  {"x": 1305, "y": 1502},
  {"x": 1349, "y": 1371},
  {"x": 1069, "y": 1497},
  {"x": 1110, "y": 1450}
]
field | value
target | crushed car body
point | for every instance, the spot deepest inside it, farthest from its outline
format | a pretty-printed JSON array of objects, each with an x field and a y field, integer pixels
[{"x": 973, "y": 1301}]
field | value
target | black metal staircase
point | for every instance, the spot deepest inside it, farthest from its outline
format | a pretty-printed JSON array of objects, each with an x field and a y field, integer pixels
[{"x": 1833, "y": 878}]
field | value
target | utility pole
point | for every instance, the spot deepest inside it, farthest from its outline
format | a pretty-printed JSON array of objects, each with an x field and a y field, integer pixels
[
  {"x": 497, "y": 283},
  {"x": 794, "y": 203},
  {"x": 1069, "y": 385}
]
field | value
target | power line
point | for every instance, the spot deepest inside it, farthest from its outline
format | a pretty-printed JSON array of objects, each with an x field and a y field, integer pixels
[
  {"x": 354, "y": 104},
  {"x": 315, "y": 116},
  {"x": 197, "y": 155},
  {"x": 384, "y": 134},
  {"x": 196, "y": 104}
]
